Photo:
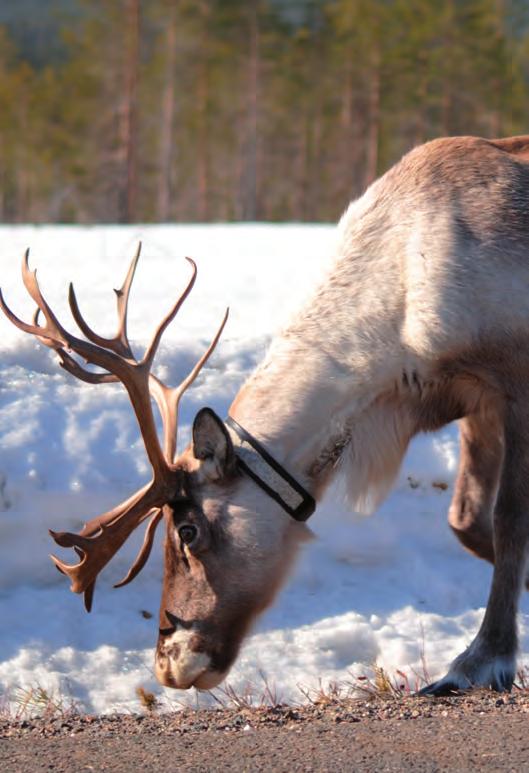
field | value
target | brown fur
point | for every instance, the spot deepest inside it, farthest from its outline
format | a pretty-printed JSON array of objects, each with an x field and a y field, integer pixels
[
  {"x": 481, "y": 457},
  {"x": 516, "y": 146}
]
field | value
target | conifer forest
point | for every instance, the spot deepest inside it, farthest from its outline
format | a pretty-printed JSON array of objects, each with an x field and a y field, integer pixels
[{"x": 240, "y": 110}]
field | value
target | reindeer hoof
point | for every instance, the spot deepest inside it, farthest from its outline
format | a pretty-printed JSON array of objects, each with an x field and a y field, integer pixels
[
  {"x": 502, "y": 681},
  {"x": 495, "y": 674},
  {"x": 441, "y": 689}
]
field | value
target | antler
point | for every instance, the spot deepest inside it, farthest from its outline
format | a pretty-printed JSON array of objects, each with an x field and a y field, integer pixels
[{"x": 102, "y": 536}]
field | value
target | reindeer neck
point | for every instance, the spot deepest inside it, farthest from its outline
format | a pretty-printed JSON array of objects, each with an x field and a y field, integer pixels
[
  {"x": 279, "y": 407},
  {"x": 332, "y": 369},
  {"x": 302, "y": 401}
]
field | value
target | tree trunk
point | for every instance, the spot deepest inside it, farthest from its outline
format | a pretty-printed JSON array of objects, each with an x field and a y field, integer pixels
[
  {"x": 203, "y": 96},
  {"x": 448, "y": 69},
  {"x": 128, "y": 124},
  {"x": 22, "y": 207},
  {"x": 166, "y": 156},
  {"x": 249, "y": 182},
  {"x": 419, "y": 134},
  {"x": 3, "y": 182},
  {"x": 349, "y": 166},
  {"x": 373, "y": 129}
]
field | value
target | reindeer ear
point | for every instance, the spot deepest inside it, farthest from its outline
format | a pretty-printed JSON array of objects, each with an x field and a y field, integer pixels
[{"x": 211, "y": 441}]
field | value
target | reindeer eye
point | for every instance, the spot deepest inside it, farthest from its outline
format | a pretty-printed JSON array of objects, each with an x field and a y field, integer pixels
[{"x": 188, "y": 533}]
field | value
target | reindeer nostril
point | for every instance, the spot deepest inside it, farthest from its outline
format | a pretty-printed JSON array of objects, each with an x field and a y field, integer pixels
[
  {"x": 197, "y": 644},
  {"x": 175, "y": 623}
]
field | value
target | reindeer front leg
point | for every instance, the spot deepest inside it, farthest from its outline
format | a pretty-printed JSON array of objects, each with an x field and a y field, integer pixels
[{"x": 490, "y": 660}]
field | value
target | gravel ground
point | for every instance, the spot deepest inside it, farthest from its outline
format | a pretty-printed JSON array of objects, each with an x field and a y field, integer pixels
[{"x": 483, "y": 731}]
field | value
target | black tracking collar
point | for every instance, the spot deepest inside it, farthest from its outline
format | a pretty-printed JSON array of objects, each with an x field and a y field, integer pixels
[{"x": 271, "y": 477}]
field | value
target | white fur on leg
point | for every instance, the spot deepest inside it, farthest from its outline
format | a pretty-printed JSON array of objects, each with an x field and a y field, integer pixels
[{"x": 476, "y": 668}]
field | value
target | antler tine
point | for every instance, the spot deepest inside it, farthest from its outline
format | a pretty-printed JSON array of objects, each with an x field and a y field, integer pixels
[
  {"x": 186, "y": 383},
  {"x": 148, "y": 357},
  {"x": 118, "y": 343},
  {"x": 88, "y": 593},
  {"x": 103, "y": 536},
  {"x": 163, "y": 397},
  {"x": 53, "y": 334},
  {"x": 168, "y": 399},
  {"x": 145, "y": 550},
  {"x": 32, "y": 286},
  {"x": 69, "y": 364},
  {"x": 122, "y": 298},
  {"x": 40, "y": 333},
  {"x": 72, "y": 366},
  {"x": 89, "y": 596},
  {"x": 50, "y": 342},
  {"x": 59, "y": 334}
]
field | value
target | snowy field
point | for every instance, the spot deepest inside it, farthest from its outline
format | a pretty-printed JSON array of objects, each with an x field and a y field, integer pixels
[{"x": 388, "y": 589}]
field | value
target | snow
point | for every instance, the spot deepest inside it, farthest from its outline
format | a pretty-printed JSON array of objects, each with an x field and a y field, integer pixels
[{"x": 393, "y": 589}]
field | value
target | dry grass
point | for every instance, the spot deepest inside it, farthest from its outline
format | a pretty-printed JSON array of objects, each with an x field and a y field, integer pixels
[
  {"x": 25, "y": 702},
  {"x": 22, "y": 703},
  {"x": 522, "y": 679},
  {"x": 375, "y": 683},
  {"x": 148, "y": 700}
]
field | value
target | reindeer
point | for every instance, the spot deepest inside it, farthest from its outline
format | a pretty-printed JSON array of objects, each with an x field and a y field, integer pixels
[{"x": 422, "y": 319}]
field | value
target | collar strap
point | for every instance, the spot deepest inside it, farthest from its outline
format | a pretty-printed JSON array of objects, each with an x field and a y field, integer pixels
[{"x": 268, "y": 474}]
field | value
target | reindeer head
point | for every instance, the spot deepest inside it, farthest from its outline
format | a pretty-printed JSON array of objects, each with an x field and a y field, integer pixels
[
  {"x": 227, "y": 549},
  {"x": 228, "y": 545}
]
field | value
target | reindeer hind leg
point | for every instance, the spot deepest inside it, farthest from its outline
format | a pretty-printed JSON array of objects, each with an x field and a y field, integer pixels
[{"x": 481, "y": 455}]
